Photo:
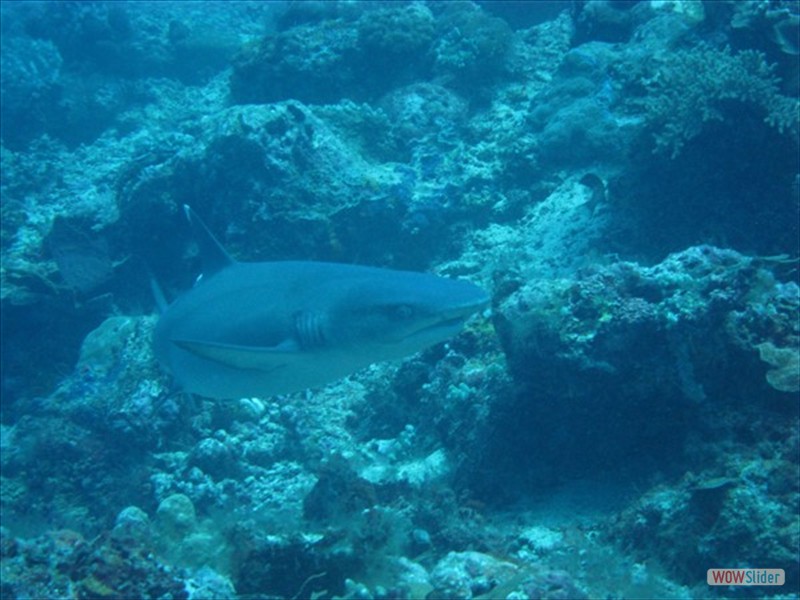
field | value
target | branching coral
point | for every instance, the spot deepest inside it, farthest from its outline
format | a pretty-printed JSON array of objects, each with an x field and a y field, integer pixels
[{"x": 692, "y": 87}]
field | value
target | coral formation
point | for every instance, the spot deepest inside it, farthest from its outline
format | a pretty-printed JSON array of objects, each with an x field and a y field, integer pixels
[
  {"x": 621, "y": 176},
  {"x": 688, "y": 88}
]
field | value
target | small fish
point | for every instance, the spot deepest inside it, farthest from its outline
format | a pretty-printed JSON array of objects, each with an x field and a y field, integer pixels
[{"x": 260, "y": 329}]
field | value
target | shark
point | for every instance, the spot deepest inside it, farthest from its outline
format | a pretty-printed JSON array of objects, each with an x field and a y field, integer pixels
[{"x": 260, "y": 329}]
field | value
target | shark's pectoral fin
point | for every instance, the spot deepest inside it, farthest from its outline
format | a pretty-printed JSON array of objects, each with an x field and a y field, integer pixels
[{"x": 257, "y": 358}]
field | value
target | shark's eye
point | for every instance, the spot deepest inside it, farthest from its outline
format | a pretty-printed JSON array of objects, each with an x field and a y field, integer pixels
[{"x": 401, "y": 312}]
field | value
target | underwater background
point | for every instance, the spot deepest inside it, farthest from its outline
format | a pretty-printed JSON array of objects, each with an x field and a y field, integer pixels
[{"x": 622, "y": 177}]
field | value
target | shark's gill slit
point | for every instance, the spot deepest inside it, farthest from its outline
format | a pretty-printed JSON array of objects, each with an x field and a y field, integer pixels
[{"x": 309, "y": 330}]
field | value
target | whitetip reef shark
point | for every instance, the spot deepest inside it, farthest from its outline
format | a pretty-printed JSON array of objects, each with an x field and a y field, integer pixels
[{"x": 267, "y": 328}]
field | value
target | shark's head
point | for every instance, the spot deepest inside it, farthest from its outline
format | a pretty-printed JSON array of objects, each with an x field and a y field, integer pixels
[{"x": 400, "y": 313}]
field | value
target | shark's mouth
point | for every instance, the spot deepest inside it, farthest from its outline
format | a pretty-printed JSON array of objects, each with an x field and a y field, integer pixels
[
  {"x": 452, "y": 322},
  {"x": 448, "y": 324},
  {"x": 444, "y": 327}
]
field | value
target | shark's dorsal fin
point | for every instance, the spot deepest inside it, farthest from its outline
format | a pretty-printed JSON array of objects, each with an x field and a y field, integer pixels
[
  {"x": 213, "y": 255},
  {"x": 158, "y": 295}
]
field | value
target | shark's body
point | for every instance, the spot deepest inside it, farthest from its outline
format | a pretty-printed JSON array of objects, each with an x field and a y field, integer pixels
[{"x": 259, "y": 329}]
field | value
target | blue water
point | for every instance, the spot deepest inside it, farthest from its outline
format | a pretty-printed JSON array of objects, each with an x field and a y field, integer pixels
[{"x": 622, "y": 180}]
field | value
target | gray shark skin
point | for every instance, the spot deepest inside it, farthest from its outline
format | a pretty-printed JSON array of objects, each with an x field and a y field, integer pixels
[{"x": 261, "y": 329}]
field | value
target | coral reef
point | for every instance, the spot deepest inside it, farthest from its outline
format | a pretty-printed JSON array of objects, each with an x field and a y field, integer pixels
[
  {"x": 620, "y": 176},
  {"x": 63, "y": 564}
]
